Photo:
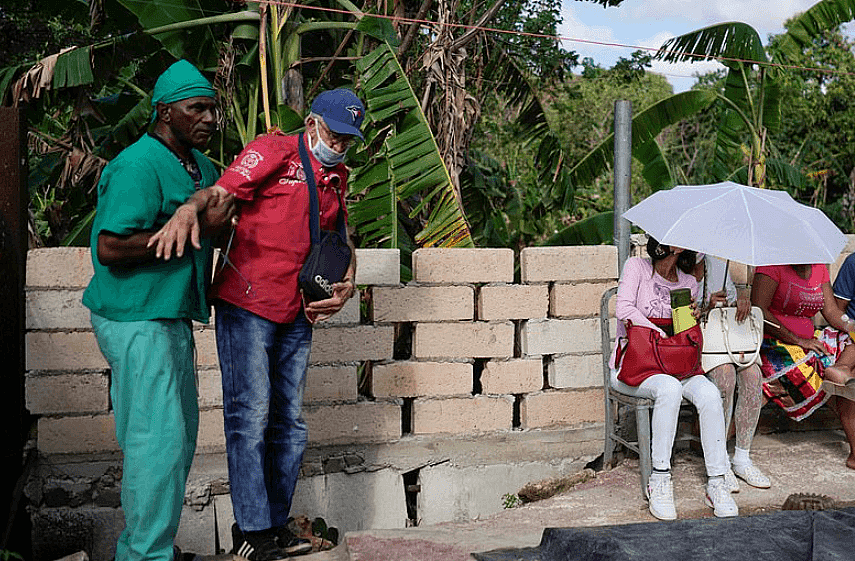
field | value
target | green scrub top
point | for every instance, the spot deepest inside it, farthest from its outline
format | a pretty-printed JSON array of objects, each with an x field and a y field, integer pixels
[{"x": 140, "y": 190}]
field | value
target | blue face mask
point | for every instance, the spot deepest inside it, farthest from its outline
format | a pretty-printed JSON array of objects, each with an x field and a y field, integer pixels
[{"x": 324, "y": 154}]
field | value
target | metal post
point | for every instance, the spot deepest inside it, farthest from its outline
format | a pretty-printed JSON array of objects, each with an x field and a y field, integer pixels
[
  {"x": 13, "y": 256},
  {"x": 623, "y": 173}
]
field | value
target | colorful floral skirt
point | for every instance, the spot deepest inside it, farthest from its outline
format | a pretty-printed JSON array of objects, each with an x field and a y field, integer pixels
[{"x": 791, "y": 377}]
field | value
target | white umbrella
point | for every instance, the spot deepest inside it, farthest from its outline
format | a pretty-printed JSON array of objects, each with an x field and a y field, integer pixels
[{"x": 743, "y": 224}]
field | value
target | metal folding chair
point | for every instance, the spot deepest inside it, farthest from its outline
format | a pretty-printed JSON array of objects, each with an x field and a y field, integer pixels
[{"x": 617, "y": 402}]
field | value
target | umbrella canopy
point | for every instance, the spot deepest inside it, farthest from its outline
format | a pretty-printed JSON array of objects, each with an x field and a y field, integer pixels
[{"x": 744, "y": 224}]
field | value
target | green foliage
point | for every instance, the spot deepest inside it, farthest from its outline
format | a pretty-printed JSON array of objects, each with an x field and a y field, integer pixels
[
  {"x": 594, "y": 230},
  {"x": 509, "y": 500},
  {"x": 542, "y": 183},
  {"x": 6, "y": 555},
  {"x": 402, "y": 165},
  {"x": 817, "y": 132}
]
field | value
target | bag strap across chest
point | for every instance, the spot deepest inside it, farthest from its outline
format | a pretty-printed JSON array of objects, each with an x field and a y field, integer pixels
[{"x": 314, "y": 206}]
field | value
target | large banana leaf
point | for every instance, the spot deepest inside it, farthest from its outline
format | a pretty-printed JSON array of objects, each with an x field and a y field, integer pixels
[
  {"x": 403, "y": 168},
  {"x": 517, "y": 87},
  {"x": 73, "y": 68},
  {"x": 594, "y": 230},
  {"x": 196, "y": 44},
  {"x": 822, "y": 16},
  {"x": 645, "y": 126},
  {"x": 728, "y": 42},
  {"x": 732, "y": 129}
]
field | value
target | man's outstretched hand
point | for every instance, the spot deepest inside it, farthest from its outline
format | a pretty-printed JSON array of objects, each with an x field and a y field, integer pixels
[{"x": 218, "y": 210}]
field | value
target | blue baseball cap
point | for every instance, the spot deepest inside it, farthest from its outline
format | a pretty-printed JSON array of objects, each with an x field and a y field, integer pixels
[{"x": 341, "y": 111}]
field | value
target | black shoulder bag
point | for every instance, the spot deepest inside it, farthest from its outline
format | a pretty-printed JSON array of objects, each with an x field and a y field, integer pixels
[{"x": 329, "y": 256}]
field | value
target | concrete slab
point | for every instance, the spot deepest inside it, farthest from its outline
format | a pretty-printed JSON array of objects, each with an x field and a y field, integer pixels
[{"x": 797, "y": 462}]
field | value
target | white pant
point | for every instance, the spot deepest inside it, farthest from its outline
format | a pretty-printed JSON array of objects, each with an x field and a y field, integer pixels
[{"x": 667, "y": 392}]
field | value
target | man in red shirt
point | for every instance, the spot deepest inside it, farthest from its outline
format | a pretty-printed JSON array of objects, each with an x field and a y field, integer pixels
[{"x": 264, "y": 331}]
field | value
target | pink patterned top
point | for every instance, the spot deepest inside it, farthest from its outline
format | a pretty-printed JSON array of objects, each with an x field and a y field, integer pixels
[
  {"x": 796, "y": 300},
  {"x": 643, "y": 293}
]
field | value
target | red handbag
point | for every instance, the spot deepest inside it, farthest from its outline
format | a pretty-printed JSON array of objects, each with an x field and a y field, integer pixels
[{"x": 646, "y": 353}]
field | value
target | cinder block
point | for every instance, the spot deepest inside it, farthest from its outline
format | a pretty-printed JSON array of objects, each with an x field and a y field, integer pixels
[
  {"x": 366, "y": 421},
  {"x": 458, "y": 415},
  {"x": 210, "y": 387},
  {"x": 352, "y": 344},
  {"x": 56, "y": 309},
  {"x": 463, "y": 265},
  {"x": 68, "y": 393},
  {"x": 349, "y": 314},
  {"x": 63, "y": 351},
  {"x": 378, "y": 266},
  {"x": 562, "y": 408},
  {"x": 417, "y": 379},
  {"x": 206, "y": 348},
  {"x": 463, "y": 340},
  {"x": 225, "y": 519},
  {"x": 513, "y": 301},
  {"x": 77, "y": 435},
  {"x": 423, "y": 303},
  {"x": 568, "y": 263},
  {"x": 579, "y": 300},
  {"x": 557, "y": 336},
  {"x": 512, "y": 376},
  {"x": 575, "y": 371},
  {"x": 331, "y": 383},
  {"x": 344, "y": 500},
  {"x": 59, "y": 267},
  {"x": 196, "y": 531},
  {"x": 211, "y": 437}
]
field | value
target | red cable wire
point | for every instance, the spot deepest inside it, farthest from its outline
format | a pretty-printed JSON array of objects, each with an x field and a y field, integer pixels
[{"x": 428, "y": 23}]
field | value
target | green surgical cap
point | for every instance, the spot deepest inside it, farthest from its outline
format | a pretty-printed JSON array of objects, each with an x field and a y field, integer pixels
[{"x": 180, "y": 81}]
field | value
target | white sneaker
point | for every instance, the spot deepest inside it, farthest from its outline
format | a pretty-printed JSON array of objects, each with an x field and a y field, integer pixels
[
  {"x": 719, "y": 499},
  {"x": 731, "y": 482},
  {"x": 751, "y": 475},
  {"x": 660, "y": 497}
]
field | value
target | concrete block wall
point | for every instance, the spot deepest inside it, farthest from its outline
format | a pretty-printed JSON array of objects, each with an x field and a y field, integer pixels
[
  {"x": 460, "y": 351},
  {"x": 473, "y": 333}
]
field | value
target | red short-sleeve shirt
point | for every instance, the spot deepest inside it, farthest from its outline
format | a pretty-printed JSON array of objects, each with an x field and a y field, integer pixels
[
  {"x": 796, "y": 300},
  {"x": 272, "y": 239}
]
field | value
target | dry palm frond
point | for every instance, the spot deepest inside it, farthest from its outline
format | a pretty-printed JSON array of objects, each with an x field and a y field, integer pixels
[
  {"x": 81, "y": 167},
  {"x": 34, "y": 81},
  {"x": 224, "y": 81},
  {"x": 450, "y": 109}
]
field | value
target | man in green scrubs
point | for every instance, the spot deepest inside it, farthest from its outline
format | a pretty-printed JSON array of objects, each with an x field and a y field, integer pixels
[{"x": 142, "y": 305}]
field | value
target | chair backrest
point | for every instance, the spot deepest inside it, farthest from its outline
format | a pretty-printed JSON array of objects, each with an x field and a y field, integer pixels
[{"x": 605, "y": 336}]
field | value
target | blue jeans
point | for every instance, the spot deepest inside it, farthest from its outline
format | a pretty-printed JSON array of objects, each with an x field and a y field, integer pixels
[{"x": 264, "y": 373}]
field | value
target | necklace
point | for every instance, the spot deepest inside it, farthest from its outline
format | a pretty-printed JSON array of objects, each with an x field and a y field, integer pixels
[{"x": 190, "y": 166}]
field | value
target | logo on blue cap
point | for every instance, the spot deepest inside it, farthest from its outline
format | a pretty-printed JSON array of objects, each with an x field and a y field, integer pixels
[{"x": 355, "y": 112}]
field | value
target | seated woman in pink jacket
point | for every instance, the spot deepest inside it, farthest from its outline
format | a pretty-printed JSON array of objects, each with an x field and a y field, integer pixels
[{"x": 644, "y": 292}]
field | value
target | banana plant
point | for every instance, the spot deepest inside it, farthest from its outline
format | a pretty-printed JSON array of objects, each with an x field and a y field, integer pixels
[
  {"x": 751, "y": 98},
  {"x": 401, "y": 159},
  {"x": 403, "y": 184},
  {"x": 750, "y": 103}
]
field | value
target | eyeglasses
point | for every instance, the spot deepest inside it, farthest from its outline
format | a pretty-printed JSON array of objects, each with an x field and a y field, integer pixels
[{"x": 343, "y": 140}]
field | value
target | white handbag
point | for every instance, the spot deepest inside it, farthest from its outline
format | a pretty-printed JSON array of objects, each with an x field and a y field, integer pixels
[{"x": 728, "y": 341}]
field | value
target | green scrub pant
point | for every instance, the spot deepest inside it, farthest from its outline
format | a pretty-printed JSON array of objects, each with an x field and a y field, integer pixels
[{"x": 155, "y": 405}]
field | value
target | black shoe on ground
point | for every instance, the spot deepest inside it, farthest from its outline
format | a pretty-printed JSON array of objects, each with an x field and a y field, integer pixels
[
  {"x": 178, "y": 555},
  {"x": 291, "y": 543},
  {"x": 256, "y": 546}
]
